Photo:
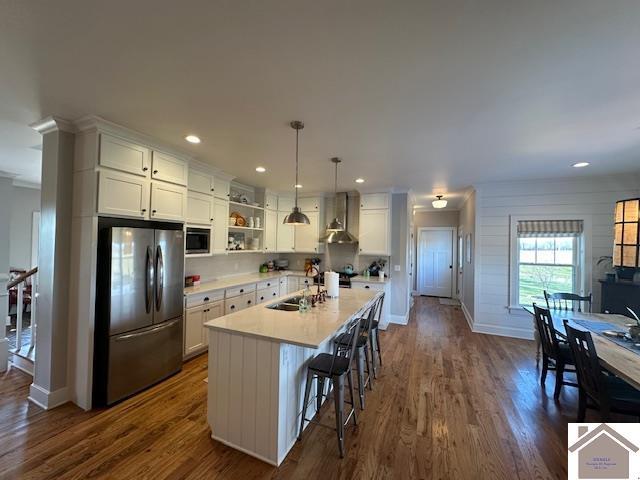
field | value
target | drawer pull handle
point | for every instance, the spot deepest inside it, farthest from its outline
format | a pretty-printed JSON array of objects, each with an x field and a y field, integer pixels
[
  {"x": 206, "y": 299},
  {"x": 242, "y": 290},
  {"x": 155, "y": 172},
  {"x": 367, "y": 286},
  {"x": 232, "y": 307},
  {"x": 144, "y": 169}
]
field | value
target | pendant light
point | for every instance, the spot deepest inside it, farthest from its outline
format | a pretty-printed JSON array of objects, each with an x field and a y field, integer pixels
[
  {"x": 296, "y": 217},
  {"x": 439, "y": 203},
  {"x": 335, "y": 225}
]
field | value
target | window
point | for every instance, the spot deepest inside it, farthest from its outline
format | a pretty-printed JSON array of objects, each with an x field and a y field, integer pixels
[{"x": 548, "y": 257}]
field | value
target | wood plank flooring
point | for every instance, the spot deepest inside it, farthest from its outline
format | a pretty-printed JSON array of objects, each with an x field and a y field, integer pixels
[{"x": 449, "y": 404}]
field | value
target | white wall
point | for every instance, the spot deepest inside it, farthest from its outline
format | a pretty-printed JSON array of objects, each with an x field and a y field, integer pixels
[
  {"x": 496, "y": 202},
  {"x": 24, "y": 201}
]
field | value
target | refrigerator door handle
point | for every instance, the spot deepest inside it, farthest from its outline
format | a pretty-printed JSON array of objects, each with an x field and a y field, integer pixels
[
  {"x": 148, "y": 298},
  {"x": 159, "y": 277},
  {"x": 159, "y": 328}
]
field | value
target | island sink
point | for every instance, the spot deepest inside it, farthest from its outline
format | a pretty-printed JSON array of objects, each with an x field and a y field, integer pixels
[{"x": 291, "y": 304}]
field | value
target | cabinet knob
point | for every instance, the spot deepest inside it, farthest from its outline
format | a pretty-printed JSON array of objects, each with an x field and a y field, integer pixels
[
  {"x": 155, "y": 172},
  {"x": 232, "y": 307},
  {"x": 206, "y": 299},
  {"x": 154, "y": 211},
  {"x": 261, "y": 298},
  {"x": 213, "y": 189},
  {"x": 367, "y": 286},
  {"x": 274, "y": 294},
  {"x": 242, "y": 290},
  {"x": 211, "y": 219},
  {"x": 248, "y": 302},
  {"x": 144, "y": 169},
  {"x": 228, "y": 195},
  {"x": 144, "y": 210},
  {"x": 360, "y": 249}
]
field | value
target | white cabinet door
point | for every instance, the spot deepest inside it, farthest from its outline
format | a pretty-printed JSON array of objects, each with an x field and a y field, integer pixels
[
  {"x": 168, "y": 168},
  {"x": 168, "y": 202},
  {"x": 123, "y": 195},
  {"x": 371, "y": 201},
  {"x": 221, "y": 188},
  {"x": 309, "y": 204},
  {"x": 194, "y": 339},
  {"x": 284, "y": 234},
  {"x": 285, "y": 204},
  {"x": 212, "y": 310},
  {"x": 220, "y": 225},
  {"x": 307, "y": 236},
  {"x": 200, "y": 182},
  {"x": 123, "y": 155},
  {"x": 271, "y": 201},
  {"x": 199, "y": 208},
  {"x": 270, "y": 230},
  {"x": 374, "y": 232}
]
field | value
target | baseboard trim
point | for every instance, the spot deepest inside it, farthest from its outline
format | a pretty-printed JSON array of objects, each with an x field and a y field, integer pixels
[
  {"x": 513, "y": 332},
  {"x": 4, "y": 354},
  {"x": 399, "y": 319},
  {"x": 467, "y": 316},
  {"x": 46, "y": 399}
]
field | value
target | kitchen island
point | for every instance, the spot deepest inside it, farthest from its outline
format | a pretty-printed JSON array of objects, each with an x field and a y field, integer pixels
[{"x": 257, "y": 370}]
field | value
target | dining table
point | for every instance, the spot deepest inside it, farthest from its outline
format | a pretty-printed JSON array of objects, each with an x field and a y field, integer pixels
[{"x": 622, "y": 361}]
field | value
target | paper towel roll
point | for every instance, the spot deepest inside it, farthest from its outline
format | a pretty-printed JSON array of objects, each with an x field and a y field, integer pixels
[{"x": 332, "y": 284}]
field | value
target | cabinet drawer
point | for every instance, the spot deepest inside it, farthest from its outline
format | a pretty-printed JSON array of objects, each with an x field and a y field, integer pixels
[
  {"x": 267, "y": 294},
  {"x": 368, "y": 286},
  {"x": 242, "y": 289},
  {"x": 123, "y": 155},
  {"x": 267, "y": 284},
  {"x": 204, "y": 297},
  {"x": 169, "y": 169},
  {"x": 239, "y": 303},
  {"x": 374, "y": 200}
]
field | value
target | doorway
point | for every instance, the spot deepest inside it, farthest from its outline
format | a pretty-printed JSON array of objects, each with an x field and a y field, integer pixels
[{"x": 435, "y": 261}]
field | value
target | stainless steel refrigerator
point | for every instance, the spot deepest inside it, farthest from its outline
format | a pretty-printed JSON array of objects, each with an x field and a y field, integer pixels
[{"x": 139, "y": 305}]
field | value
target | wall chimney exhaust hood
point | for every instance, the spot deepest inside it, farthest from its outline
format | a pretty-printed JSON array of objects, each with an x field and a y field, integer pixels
[{"x": 341, "y": 236}]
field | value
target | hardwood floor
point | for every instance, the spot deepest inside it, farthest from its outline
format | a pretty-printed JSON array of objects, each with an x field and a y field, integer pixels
[{"x": 448, "y": 404}]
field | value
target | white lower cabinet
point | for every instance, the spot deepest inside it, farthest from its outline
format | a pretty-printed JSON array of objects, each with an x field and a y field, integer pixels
[
  {"x": 168, "y": 202},
  {"x": 378, "y": 287},
  {"x": 195, "y": 334},
  {"x": 292, "y": 284},
  {"x": 240, "y": 302},
  {"x": 123, "y": 195},
  {"x": 199, "y": 208}
]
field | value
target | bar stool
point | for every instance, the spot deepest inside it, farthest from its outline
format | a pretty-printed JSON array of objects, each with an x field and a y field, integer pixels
[
  {"x": 375, "y": 340},
  {"x": 335, "y": 367},
  {"x": 362, "y": 352}
]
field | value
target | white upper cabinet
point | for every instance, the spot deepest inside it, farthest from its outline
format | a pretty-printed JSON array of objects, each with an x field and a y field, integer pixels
[
  {"x": 221, "y": 188},
  {"x": 309, "y": 204},
  {"x": 270, "y": 230},
  {"x": 168, "y": 202},
  {"x": 285, "y": 234},
  {"x": 374, "y": 236},
  {"x": 271, "y": 201},
  {"x": 372, "y": 201},
  {"x": 199, "y": 208},
  {"x": 168, "y": 168},
  {"x": 307, "y": 236},
  {"x": 220, "y": 225},
  {"x": 200, "y": 182},
  {"x": 285, "y": 204},
  {"x": 123, "y": 195},
  {"x": 123, "y": 155}
]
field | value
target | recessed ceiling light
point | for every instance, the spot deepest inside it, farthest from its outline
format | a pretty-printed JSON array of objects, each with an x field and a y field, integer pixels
[
  {"x": 298, "y": 186},
  {"x": 192, "y": 139},
  {"x": 261, "y": 169},
  {"x": 580, "y": 164},
  {"x": 359, "y": 180}
]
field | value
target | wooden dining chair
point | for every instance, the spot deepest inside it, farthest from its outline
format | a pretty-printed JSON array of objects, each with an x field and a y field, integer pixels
[
  {"x": 568, "y": 301},
  {"x": 598, "y": 390},
  {"x": 556, "y": 354}
]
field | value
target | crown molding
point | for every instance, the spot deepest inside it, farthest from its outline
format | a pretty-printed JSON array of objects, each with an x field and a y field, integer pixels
[{"x": 53, "y": 124}]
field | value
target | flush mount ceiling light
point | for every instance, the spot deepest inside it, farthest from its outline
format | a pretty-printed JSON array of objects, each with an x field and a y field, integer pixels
[
  {"x": 261, "y": 169},
  {"x": 580, "y": 164},
  {"x": 192, "y": 139},
  {"x": 297, "y": 185},
  {"x": 335, "y": 225},
  {"x": 439, "y": 203},
  {"x": 359, "y": 180},
  {"x": 296, "y": 217}
]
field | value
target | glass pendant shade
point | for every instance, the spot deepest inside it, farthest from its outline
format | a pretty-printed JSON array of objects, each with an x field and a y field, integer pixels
[
  {"x": 439, "y": 203},
  {"x": 626, "y": 241}
]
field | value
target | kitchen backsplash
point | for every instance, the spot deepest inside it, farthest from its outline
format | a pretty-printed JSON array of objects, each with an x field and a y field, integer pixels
[
  {"x": 217, "y": 266},
  {"x": 335, "y": 258}
]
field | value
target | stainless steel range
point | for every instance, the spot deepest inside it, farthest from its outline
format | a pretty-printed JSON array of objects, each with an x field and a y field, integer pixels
[{"x": 344, "y": 279}]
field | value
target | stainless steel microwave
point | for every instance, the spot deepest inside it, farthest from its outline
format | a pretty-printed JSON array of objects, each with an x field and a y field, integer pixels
[{"x": 198, "y": 241}]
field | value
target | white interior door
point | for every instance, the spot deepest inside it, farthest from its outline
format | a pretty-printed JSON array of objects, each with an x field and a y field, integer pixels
[{"x": 435, "y": 262}]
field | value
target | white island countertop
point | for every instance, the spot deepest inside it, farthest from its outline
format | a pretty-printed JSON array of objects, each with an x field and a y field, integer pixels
[{"x": 309, "y": 329}]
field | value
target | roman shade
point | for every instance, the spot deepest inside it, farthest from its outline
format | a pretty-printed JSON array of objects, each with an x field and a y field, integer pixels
[{"x": 550, "y": 228}]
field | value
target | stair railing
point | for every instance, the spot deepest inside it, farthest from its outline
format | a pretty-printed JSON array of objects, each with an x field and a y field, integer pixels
[{"x": 19, "y": 284}]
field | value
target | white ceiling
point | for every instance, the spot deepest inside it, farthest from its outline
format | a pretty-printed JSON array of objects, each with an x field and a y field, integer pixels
[{"x": 428, "y": 95}]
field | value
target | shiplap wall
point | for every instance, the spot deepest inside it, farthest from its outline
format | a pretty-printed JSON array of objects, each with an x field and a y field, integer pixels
[{"x": 496, "y": 202}]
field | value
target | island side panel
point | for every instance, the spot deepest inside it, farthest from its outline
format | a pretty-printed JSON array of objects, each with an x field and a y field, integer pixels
[{"x": 243, "y": 393}]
